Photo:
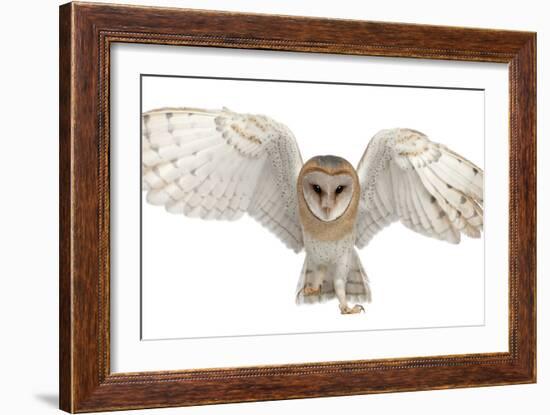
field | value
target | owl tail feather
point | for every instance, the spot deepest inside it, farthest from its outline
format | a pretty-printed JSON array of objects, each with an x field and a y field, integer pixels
[{"x": 357, "y": 285}]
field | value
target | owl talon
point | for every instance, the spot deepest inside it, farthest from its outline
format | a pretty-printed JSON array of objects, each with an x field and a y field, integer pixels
[
  {"x": 357, "y": 308},
  {"x": 312, "y": 291}
]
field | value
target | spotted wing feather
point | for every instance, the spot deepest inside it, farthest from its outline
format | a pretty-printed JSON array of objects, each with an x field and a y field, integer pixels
[
  {"x": 217, "y": 164},
  {"x": 426, "y": 186}
]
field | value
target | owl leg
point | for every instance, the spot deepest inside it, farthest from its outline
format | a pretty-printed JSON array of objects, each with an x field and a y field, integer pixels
[
  {"x": 314, "y": 281},
  {"x": 340, "y": 290}
]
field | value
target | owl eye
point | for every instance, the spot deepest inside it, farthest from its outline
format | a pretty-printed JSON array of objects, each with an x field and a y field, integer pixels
[
  {"x": 339, "y": 189},
  {"x": 316, "y": 188}
]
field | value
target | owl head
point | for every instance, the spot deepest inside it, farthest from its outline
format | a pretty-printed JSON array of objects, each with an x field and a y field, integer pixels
[{"x": 328, "y": 185}]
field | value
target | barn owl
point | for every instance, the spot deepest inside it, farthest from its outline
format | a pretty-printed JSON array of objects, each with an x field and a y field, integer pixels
[{"x": 218, "y": 164}]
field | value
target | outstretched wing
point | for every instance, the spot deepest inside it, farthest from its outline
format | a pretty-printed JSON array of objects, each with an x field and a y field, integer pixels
[
  {"x": 217, "y": 164},
  {"x": 429, "y": 188}
]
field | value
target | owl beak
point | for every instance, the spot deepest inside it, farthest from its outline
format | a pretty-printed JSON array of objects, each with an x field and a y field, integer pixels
[{"x": 326, "y": 210}]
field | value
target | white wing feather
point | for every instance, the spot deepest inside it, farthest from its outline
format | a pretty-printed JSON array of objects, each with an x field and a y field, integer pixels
[
  {"x": 429, "y": 188},
  {"x": 219, "y": 165}
]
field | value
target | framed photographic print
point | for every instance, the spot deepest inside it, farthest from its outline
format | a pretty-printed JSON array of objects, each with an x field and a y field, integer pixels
[{"x": 258, "y": 207}]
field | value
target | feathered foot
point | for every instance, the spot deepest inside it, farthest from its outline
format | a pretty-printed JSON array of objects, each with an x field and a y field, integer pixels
[
  {"x": 312, "y": 291},
  {"x": 357, "y": 308}
]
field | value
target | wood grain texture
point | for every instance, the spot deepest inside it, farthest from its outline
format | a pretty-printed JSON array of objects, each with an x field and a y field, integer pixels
[
  {"x": 65, "y": 245},
  {"x": 86, "y": 33}
]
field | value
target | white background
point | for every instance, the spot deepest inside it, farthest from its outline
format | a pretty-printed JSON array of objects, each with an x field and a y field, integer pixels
[
  {"x": 242, "y": 280},
  {"x": 29, "y": 213}
]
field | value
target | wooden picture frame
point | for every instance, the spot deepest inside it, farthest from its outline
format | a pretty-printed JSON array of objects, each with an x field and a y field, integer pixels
[{"x": 86, "y": 33}]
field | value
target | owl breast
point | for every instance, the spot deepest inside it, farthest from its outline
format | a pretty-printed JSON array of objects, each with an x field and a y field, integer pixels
[{"x": 321, "y": 252}]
